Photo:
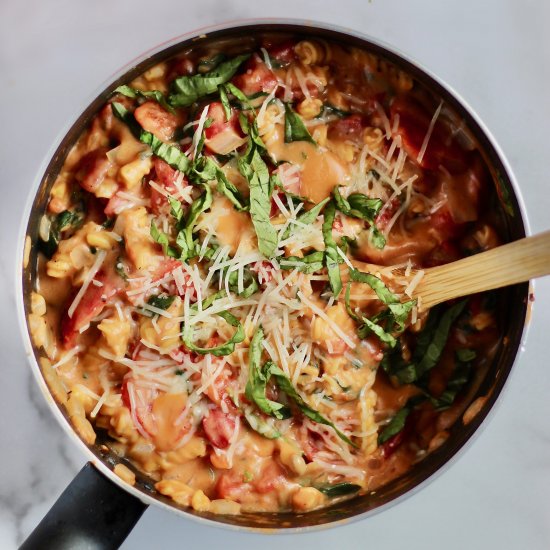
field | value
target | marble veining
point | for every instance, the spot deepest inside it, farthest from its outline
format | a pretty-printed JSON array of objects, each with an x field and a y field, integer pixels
[{"x": 53, "y": 54}]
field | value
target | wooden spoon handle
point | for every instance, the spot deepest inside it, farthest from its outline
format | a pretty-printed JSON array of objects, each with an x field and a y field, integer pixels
[{"x": 509, "y": 264}]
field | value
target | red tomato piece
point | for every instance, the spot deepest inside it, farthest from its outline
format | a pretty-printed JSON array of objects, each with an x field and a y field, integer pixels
[
  {"x": 232, "y": 486},
  {"x": 153, "y": 118},
  {"x": 271, "y": 477},
  {"x": 219, "y": 427},
  {"x": 444, "y": 227},
  {"x": 283, "y": 52},
  {"x": 256, "y": 77},
  {"x": 222, "y": 136},
  {"x": 93, "y": 168},
  {"x": 348, "y": 128},
  {"x": 264, "y": 269},
  {"x": 414, "y": 123},
  {"x": 91, "y": 305},
  {"x": 165, "y": 176},
  {"x": 392, "y": 444}
]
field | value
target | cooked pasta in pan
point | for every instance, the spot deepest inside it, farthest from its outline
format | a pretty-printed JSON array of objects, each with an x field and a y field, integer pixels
[{"x": 206, "y": 294}]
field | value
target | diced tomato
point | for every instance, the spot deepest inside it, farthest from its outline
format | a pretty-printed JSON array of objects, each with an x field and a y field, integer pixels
[
  {"x": 180, "y": 67},
  {"x": 91, "y": 305},
  {"x": 166, "y": 177},
  {"x": 271, "y": 477},
  {"x": 232, "y": 486},
  {"x": 444, "y": 253},
  {"x": 168, "y": 266},
  {"x": 153, "y": 118},
  {"x": 223, "y": 136},
  {"x": 219, "y": 427},
  {"x": 348, "y": 128},
  {"x": 443, "y": 225},
  {"x": 93, "y": 168},
  {"x": 442, "y": 149},
  {"x": 283, "y": 52},
  {"x": 256, "y": 77}
]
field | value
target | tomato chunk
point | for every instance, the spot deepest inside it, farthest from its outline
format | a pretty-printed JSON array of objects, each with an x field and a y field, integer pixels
[
  {"x": 257, "y": 77},
  {"x": 219, "y": 427},
  {"x": 223, "y": 136},
  {"x": 414, "y": 123},
  {"x": 153, "y": 118},
  {"x": 166, "y": 177},
  {"x": 348, "y": 128},
  {"x": 91, "y": 305},
  {"x": 93, "y": 168}
]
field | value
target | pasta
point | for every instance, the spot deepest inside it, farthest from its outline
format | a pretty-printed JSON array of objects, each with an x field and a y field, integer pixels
[{"x": 197, "y": 297}]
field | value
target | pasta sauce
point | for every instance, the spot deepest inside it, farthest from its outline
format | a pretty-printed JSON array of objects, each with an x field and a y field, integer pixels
[{"x": 197, "y": 297}]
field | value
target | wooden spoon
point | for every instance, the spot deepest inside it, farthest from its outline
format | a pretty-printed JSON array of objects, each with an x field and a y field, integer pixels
[{"x": 504, "y": 265}]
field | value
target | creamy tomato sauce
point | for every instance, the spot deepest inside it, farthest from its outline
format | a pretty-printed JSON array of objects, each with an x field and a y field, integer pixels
[{"x": 196, "y": 297}]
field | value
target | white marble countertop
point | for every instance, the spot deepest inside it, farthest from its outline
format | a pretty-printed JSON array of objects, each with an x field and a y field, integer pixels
[{"x": 496, "y": 53}]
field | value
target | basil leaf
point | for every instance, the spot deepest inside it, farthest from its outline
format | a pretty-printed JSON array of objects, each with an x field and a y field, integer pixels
[
  {"x": 331, "y": 254},
  {"x": 176, "y": 210},
  {"x": 225, "y": 102},
  {"x": 310, "y": 263},
  {"x": 400, "y": 313},
  {"x": 257, "y": 175},
  {"x": 295, "y": 129},
  {"x": 329, "y": 109},
  {"x": 161, "y": 302},
  {"x": 306, "y": 218},
  {"x": 162, "y": 238},
  {"x": 134, "y": 93},
  {"x": 207, "y": 170},
  {"x": 439, "y": 339},
  {"x": 339, "y": 489},
  {"x": 184, "y": 238},
  {"x": 258, "y": 378},
  {"x": 222, "y": 349},
  {"x": 64, "y": 220},
  {"x": 429, "y": 346},
  {"x": 459, "y": 378},
  {"x": 232, "y": 89},
  {"x": 358, "y": 205},
  {"x": 286, "y": 386},
  {"x": 171, "y": 154},
  {"x": 372, "y": 326},
  {"x": 397, "y": 423},
  {"x": 259, "y": 425},
  {"x": 188, "y": 89},
  {"x": 250, "y": 283},
  {"x": 382, "y": 291}
]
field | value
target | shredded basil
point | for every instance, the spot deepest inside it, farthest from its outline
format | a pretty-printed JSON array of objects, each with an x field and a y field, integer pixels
[
  {"x": 306, "y": 218},
  {"x": 258, "y": 378},
  {"x": 227, "y": 347},
  {"x": 225, "y": 103},
  {"x": 331, "y": 257},
  {"x": 161, "y": 301},
  {"x": 396, "y": 424},
  {"x": 162, "y": 238},
  {"x": 310, "y": 263},
  {"x": 206, "y": 65},
  {"x": 205, "y": 169},
  {"x": 188, "y": 89},
  {"x": 459, "y": 378},
  {"x": 170, "y": 154},
  {"x": 295, "y": 129},
  {"x": 358, "y": 205},
  {"x": 258, "y": 424},
  {"x": 187, "y": 223},
  {"x": 134, "y": 93},
  {"x": 256, "y": 173},
  {"x": 429, "y": 346},
  {"x": 63, "y": 221},
  {"x": 338, "y": 489},
  {"x": 286, "y": 386}
]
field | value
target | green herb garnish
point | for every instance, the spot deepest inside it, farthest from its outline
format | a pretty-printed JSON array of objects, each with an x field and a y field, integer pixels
[{"x": 295, "y": 129}]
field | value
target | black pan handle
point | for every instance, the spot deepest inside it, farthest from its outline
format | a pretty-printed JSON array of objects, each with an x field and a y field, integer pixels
[{"x": 91, "y": 514}]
